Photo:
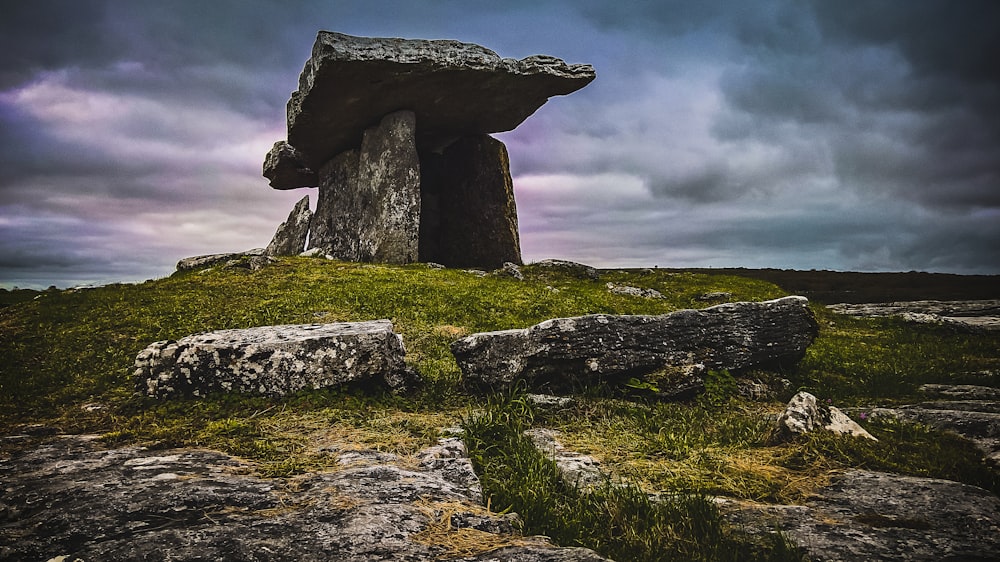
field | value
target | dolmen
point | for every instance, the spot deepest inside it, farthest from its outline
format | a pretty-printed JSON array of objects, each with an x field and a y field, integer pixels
[{"x": 395, "y": 134}]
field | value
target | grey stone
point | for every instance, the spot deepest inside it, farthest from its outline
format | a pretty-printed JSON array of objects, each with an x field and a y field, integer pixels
[
  {"x": 631, "y": 291},
  {"x": 509, "y": 269},
  {"x": 211, "y": 260},
  {"x": 975, "y": 420},
  {"x": 972, "y": 315},
  {"x": 455, "y": 89},
  {"x": 468, "y": 213},
  {"x": 389, "y": 227},
  {"x": 574, "y": 269},
  {"x": 717, "y": 296},
  {"x": 961, "y": 391},
  {"x": 565, "y": 350},
  {"x": 804, "y": 415},
  {"x": 253, "y": 263},
  {"x": 864, "y": 515},
  {"x": 575, "y": 469},
  {"x": 274, "y": 360},
  {"x": 335, "y": 224},
  {"x": 290, "y": 238},
  {"x": 71, "y": 498},
  {"x": 285, "y": 167}
]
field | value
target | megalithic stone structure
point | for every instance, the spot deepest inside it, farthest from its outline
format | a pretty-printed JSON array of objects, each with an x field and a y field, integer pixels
[{"x": 395, "y": 133}]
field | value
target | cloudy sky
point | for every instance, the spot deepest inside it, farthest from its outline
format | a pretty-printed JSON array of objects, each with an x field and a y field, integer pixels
[{"x": 860, "y": 135}]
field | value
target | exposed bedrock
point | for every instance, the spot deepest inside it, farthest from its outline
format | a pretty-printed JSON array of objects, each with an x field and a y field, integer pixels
[
  {"x": 274, "y": 360},
  {"x": 564, "y": 351}
]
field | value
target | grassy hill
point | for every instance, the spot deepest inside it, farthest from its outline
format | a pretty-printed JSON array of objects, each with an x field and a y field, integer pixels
[{"x": 67, "y": 362}]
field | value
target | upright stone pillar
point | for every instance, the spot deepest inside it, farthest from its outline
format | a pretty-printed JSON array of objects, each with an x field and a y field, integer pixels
[
  {"x": 389, "y": 191},
  {"x": 335, "y": 223},
  {"x": 469, "y": 215}
]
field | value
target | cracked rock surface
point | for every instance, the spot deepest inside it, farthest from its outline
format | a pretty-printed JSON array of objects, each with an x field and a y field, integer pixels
[{"x": 70, "y": 497}]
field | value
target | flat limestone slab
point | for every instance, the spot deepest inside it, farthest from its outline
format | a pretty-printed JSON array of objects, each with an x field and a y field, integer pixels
[
  {"x": 563, "y": 351},
  {"x": 455, "y": 89},
  {"x": 273, "y": 360}
]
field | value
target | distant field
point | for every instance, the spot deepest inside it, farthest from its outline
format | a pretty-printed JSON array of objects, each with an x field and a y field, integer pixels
[{"x": 829, "y": 287}]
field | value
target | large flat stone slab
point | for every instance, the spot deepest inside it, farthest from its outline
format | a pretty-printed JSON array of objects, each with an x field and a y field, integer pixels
[
  {"x": 563, "y": 351},
  {"x": 71, "y": 499},
  {"x": 865, "y": 515},
  {"x": 274, "y": 360},
  {"x": 455, "y": 89}
]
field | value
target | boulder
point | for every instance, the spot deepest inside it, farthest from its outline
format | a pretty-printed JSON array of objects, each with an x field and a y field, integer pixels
[
  {"x": 564, "y": 351},
  {"x": 468, "y": 214},
  {"x": 285, "y": 167},
  {"x": 210, "y": 260},
  {"x": 274, "y": 360},
  {"x": 631, "y": 291},
  {"x": 571, "y": 268},
  {"x": 70, "y": 499},
  {"x": 804, "y": 415},
  {"x": 455, "y": 89},
  {"x": 290, "y": 238}
]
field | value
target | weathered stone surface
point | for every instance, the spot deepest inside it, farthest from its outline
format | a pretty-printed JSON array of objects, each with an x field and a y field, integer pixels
[
  {"x": 575, "y": 469},
  {"x": 961, "y": 391},
  {"x": 976, "y": 316},
  {"x": 727, "y": 336},
  {"x": 876, "y": 516},
  {"x": 290, "y": 238},
  {"x": 631, "y": 291},
  {"x": 210, "y": 260},
  {"x": 389, "y": 193},
  {"x": 455, "y": 89},
  {"x": 71, "y": 498},
  {"x": 578, "y": 270},
  {"x": 335, "y": 224},
  {"x": 804, "y": 415},
  {"x": 285, "y": 167},
  {"x": 274, "y": 360},
  {"x": 976, "y": 420},
  {"x": 468, "y": 214}
]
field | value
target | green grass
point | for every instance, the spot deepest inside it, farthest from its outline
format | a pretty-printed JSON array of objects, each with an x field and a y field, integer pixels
[
  {"x": 617, "y": 519},
  {"x": 67, "y": 361}
]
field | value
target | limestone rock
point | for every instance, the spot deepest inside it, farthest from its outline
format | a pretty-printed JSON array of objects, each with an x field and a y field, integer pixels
[
  {"x": 468, "y": 214},
  {"x": 972, "y": 315},
  {"x": 804, "y": 415},
  {"x": 285, "y": 167},
  {"x": 274, "y": 360},
  {"x": 876, "y": 516},
  {"x": 563, "y": 350},
  {"x": 210, "y": 260},
  {"x": 455, "y": 89},
  {"x": 69, "y": 499},
  {"x": 633, "y": 291},
  {"x": 335, "y": 224},
  {"x": 290, "y": 238},
  {"x": 389, "y": 229},
  {"x": 575, "y": 469},
  {"x": 578, "y": 270}
]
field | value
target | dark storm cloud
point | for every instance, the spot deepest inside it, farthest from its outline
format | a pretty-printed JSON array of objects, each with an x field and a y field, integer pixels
[{"x": 769, "y": 133}]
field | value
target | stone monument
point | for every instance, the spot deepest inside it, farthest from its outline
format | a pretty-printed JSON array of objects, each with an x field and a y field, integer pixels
[{"x": 395, "y": 133}]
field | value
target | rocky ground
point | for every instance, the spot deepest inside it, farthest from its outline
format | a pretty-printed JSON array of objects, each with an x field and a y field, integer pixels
[{"x": 68, "y": 497}]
